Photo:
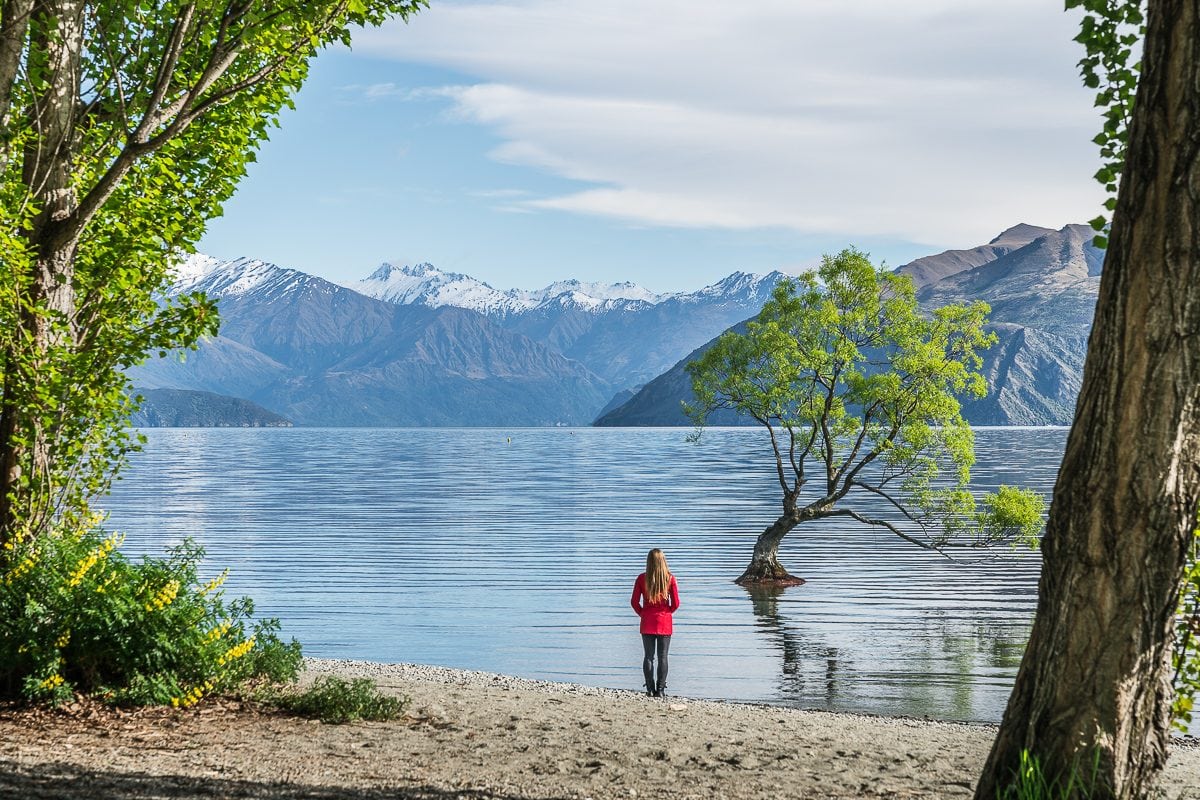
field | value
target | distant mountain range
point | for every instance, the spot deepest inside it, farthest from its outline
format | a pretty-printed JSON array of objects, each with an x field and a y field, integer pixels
[
  {"x": 1042, "y": 286},
  {"x": 622, "y": 332},
  {"x": 415, "y": 346}
]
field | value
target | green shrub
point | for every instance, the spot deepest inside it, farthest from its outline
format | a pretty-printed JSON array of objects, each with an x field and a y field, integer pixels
[
  {"x": 76, "y": 615},
  {"x": 335, "y": 700}
]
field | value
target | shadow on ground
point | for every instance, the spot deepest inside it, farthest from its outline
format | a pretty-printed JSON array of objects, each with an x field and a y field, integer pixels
[{"x": 67, "y": 781}]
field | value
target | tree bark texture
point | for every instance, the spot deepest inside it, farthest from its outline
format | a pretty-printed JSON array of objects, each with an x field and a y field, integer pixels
[
  {"x": 764, "y": 568},
  {"x": 1095, "y": 681},
  {"x": 56, "y": 29}
]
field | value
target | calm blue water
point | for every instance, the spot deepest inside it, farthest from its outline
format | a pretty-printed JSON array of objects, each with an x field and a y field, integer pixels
[{"x": 515, "y": 551}]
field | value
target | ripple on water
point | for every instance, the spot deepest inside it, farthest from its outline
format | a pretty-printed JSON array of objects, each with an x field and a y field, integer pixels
[{"x": 514, "y": 551}]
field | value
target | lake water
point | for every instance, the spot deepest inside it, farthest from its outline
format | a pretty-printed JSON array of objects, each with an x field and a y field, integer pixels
[{"x": 515, "y": 551}]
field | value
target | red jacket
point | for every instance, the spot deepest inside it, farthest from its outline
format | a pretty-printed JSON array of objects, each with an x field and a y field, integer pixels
[{"x": 656, "y": 617}]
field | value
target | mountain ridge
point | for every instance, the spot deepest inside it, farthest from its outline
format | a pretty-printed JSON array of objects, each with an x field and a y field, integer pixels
[
  {"x": 311, "y": 350},
  {"x": 1042, "y": 291},
  {"x": 449, "y": 349}
]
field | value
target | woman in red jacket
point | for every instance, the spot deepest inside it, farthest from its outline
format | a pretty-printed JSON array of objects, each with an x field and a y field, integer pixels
[{"x": 655, "y": 598}]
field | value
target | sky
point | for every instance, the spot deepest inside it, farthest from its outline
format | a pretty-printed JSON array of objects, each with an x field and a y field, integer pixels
[{"x": 672, "y": 142}]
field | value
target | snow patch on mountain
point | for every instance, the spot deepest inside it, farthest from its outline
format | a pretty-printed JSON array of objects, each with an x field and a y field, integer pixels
[
  {"x": 191, "y": 270},
  {"x": 739, "y": 285},
  {"x": 588, "y": 293},
  {"x": 424, "y": 284},
  {"x": 239, "y": 277}
]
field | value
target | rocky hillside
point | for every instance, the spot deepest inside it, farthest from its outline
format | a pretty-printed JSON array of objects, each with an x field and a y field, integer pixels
[{"x": 1042, "y": 285}]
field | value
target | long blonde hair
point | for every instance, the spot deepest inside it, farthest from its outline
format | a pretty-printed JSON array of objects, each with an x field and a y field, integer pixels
[{"x": 658, "y": 577}]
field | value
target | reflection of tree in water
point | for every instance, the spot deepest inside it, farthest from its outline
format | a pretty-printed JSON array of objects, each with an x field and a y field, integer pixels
[
  {"x": 811, "y": 669},
  {"x": 959, "y": 657},
  {"x": 942, "y": 668}
]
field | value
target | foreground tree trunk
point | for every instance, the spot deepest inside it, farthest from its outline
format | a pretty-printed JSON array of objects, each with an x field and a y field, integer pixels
[
  {"x": 764, "y": 568},
  {"x": 1095, "y": 683},
  {"x": 57, "y": 31}
]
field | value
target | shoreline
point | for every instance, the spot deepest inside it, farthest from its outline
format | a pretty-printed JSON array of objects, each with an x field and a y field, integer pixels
[
  {"x": 470, "y": 734},
  {"x": 382, "y": 671}
]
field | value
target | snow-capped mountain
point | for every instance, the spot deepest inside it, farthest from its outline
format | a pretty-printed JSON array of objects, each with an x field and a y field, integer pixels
[
  {"x": 589, "y": 294},
  {"x": 424, "y": 284},
  {"x": 321, "y": 354},
  {"x": 623, "y": 332},
  {"x": 580, "y": 342},
  {"x": 738, "y": 286},
  {"x": 242, "y": 276}
]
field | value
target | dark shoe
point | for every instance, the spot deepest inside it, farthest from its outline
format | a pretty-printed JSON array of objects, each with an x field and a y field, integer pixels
[
  {"x": 660, "y": 691},
  {"x": 650, "y": 692}
]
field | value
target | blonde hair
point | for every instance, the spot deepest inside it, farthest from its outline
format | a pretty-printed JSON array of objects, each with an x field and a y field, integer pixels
[{"x": 658, "y": 577}]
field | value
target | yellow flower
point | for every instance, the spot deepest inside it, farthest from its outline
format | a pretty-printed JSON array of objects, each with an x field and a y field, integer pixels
[
  {"x": 235, "y": 652},
  {"x": 216, "y": 633},
  {"x": 24, "y": 567},
  {"x": 62, "y": 640},
  {"x": 164, "y": 596},
  {"x": 215, "y": 583},
  {"x": 99, "y": 553},
  {"x": 17, "y": 538},
  {"x": 51, "y": 682},
  {"x": 193, "y": 695},
  {"x": 81, "y": 570}
]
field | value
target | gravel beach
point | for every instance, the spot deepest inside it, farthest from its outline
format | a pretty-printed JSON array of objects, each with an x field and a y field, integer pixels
[{"x": 478, "y": 735}]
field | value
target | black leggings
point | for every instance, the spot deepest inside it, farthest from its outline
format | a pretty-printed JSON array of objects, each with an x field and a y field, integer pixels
[{"x": 650, "y": 643}]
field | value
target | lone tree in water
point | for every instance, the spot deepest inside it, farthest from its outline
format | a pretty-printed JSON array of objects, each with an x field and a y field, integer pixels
[{"x": 858, "y": 392}]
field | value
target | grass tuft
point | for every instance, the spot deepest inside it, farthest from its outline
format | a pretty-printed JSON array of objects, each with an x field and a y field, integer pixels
[{"x": 335, "y": 700}]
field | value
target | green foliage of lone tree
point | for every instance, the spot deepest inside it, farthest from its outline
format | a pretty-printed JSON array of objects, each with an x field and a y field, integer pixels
[
  {"x": 858, "y": 391},
  {"x": 124, "y": 125}
]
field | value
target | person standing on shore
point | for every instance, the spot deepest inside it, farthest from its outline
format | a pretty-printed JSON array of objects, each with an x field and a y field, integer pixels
[{"x": 655, "y": 599}]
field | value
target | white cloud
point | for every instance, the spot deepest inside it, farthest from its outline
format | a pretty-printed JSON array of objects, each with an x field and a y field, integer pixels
[{"x": 938, "y": 121}]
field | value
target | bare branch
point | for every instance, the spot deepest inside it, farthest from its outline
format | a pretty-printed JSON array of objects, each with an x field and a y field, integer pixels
[
  {"x": 893, "y": 501},
  {"x": 166, "y": 69},
  {"x": 862, "y": 435},
  {"x": 797, "y": 468},
  {"x": 882, "y": 523},
  {"x": 867, "y": 459},
  {"x": 827, "y": 437},
  {"x": 774, "y": 447}
]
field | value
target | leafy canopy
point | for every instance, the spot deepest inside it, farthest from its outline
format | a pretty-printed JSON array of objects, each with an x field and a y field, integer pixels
[
  {"x": 124, "y": 126},
  {"x": 859, "y": 392}
]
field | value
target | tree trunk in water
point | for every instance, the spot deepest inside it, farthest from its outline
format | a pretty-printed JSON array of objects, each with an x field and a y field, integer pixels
[
  {"x": 765, "y": 569},
  {"x": 1095, "y": 684}
]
